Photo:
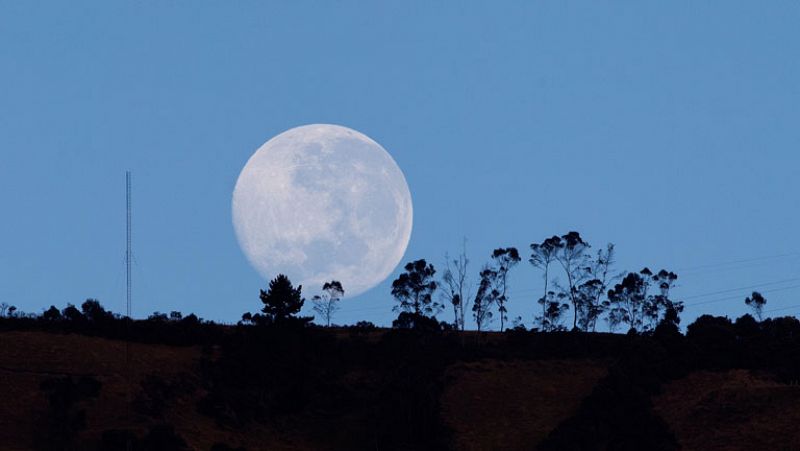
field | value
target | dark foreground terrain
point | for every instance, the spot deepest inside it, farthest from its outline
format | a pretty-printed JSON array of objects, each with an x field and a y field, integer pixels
[{"x": 192, "y": 385}]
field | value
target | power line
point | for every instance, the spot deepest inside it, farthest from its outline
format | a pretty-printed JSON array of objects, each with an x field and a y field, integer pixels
[
  {"x": 790, "y": 307},
  {"x": 730, "y": 290},
  {"x": 695, "y": 296},
  {"x": 733, "y": 262},
  {"x": 772, "y": 290},
  {"x": 692, "y": 270}
]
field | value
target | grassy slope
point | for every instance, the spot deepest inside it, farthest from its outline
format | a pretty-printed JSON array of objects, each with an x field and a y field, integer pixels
[
  {"x": 487, "y": 404},
  {"x": 495, "y": 409},
  {"x": 510, "y": 405},
  {"x": 27, "y": 358},
  {"x": 731, "y": 410}
]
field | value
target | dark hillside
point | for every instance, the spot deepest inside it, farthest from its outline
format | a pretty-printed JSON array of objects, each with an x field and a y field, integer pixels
[{"x": 724, "y": 385}]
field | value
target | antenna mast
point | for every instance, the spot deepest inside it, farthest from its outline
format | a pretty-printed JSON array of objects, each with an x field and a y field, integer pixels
[{"x": 128, "y": 255}]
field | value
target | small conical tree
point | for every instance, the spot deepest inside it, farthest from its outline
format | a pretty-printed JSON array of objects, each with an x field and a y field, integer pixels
[{"x": 282, "y": 300}]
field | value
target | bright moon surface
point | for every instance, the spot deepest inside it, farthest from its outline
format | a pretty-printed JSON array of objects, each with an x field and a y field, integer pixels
[{"x": 323, "y": 202}]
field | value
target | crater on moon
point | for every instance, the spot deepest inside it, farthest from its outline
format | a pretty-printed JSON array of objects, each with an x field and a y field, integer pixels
[{"x": 323, "y": 202}]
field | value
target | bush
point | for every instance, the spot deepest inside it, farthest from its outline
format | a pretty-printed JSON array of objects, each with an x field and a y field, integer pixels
[{"x": 414, "y": 321}]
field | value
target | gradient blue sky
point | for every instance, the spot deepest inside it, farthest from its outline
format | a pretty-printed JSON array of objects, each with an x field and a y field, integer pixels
[{"x": 667, "y": 128}]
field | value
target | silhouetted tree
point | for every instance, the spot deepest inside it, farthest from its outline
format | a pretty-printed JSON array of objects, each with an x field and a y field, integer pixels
[
  {"x": 51, "y": 314},
  {"x": 589, "y": 294},
  {"x": 554, "y": 307},
  {"x": 484, "y": 298},
  {"x": 416, "y": 321},
  {"x": 756, "y": 302},
  {"x": 71, "y": 313},
  {"x": 456, "y": 287},
  {"x": 504, "y": 259},
  {"x": 7, "y": 310},
  {"x": 542, "y": 255},
  {"x": 158, "y": 317},
  {"x": 626, "y": 302},
  {"x": 175, "y": 315},
  {"x": 364, "y": 326},
  {"x": 630, "y": 301},
  {"x": 572, "y": 256},
  {"x": 746, "y": 326},
  {"x": 282, "y": 300},
  {"x": 94, "y": 312},
  {"x": 414, "y": 289},
  {"x": 661, "y": 308},
  {"x": 327, "y": 304}
]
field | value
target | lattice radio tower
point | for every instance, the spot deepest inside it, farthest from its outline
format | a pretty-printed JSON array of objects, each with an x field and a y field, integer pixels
[{"x": 128, "y": 255}]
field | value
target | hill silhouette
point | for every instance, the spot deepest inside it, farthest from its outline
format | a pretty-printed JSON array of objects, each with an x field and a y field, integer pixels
[{"x": 94, "y": 380}]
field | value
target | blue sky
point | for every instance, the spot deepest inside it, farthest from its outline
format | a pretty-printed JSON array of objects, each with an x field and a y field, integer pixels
[{"x": 667, "y": 128}]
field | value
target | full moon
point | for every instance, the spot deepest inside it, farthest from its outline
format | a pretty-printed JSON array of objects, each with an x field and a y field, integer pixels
[{"x": 323, "y": 202}]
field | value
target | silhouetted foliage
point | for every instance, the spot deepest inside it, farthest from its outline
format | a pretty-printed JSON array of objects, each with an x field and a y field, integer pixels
[
  {"x": 364, "y": 326},
  {"x": 71, "y": 313},
  {"x": 571, "y": 253},
  {"x": 94, "y": 312},
  {"x": 387, "y": 384},
  {"x": 554, "y": 310},
  {"x": 484, "y": 298},
  {"x": 589, "y": 294},
  {"x": 715, "y": 338},
  {"x": 746, "y": 326},
  {"x": 456, "y": 287},
  {"x": 542, "y": 255},
  {"x": 8, "y": 311},
  {"x": 661, "y": 308},
  {"x": 158, "y": 317},
  {"x": 503, "y": 260},
  {"x": 587, "y": 281},
  {"x": 190, "y": 330},
  {"x": 756, "y": 302},
  {"x": 631, "y": 303},
  {"x": 626, "y": 301},
  {"x": 414, "y": 289},
  {"x": 282, "y": 300},
  {"x": 410, "y": 320},
  {"x": 518, "y": 325},
  {"x": 327, "y": 304},
  {"x": 52, "y": 314}
]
